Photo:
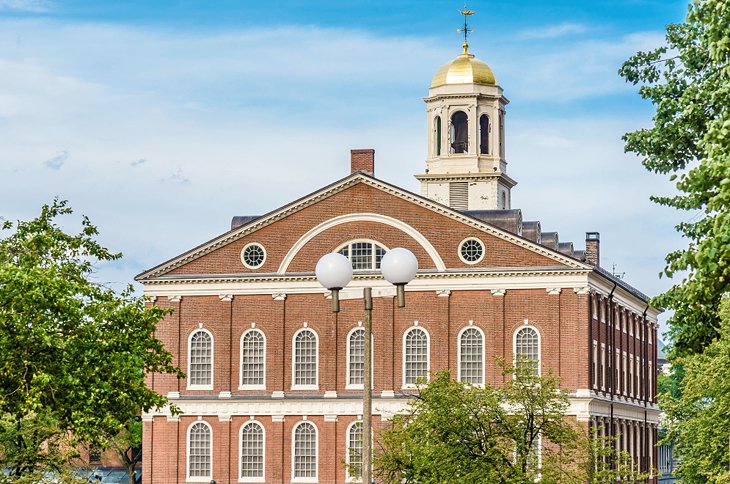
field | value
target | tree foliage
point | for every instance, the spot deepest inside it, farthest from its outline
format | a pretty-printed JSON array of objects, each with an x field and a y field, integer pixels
[
  {"x": 698, "y": 421},
  {"x": 453, "y": 433},
  {"x": 74, "y": 352},
  {"x": 688, "y": 81}
]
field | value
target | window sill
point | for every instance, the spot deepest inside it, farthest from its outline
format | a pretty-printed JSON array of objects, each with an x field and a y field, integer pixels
[
  {"x": 252, "y": 387},
  {"x": 358, "y": 386},
  {"x": 199, "y": 479},
  {"x": 199, "y": 387},
  {"x": 252, "y": 479},
  {"x": 305, "y": 479},
  {"x": 305, "y": 387}
]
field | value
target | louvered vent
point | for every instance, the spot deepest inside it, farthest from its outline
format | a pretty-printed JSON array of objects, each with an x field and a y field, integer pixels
[{"x": 459, "y": 195}]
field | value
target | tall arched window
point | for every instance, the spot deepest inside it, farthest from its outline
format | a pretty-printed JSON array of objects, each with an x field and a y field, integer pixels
[
  {"x": 356, "y": 358},
  {"x": 501, "y": 134},
  {"x": 253, "y": 359},
  {"x": 527, "y": 348},
  {"x": 415, "y": 356},
  {"x": 252, "y": 452},
  {"x": 304, "y": 453},
  {"x": 354, "y": 452},
  {"x": 438, "y": 135},
  {"x": 200, "y": 456},
  {"x": 305, "y": 360},
  {"x": 200, "y": 360},
  {"x": 471, "y": 356},
  {"x": 484, "y": 134},
  {"x": 365, "y": 255},
  {"x": 459, "y": 132}
]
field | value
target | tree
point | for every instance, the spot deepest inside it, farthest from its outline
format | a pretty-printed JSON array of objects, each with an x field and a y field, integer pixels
[
  {"x": 698, "y": 421},
  {"x": 518, "y": 433},
  {"x": 688, "y": 81},
  {"x": 74, "y": 352}
]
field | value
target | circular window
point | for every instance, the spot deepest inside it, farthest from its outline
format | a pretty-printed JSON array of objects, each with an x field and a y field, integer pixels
[
  {"x": 253, "y": 255},
  {"x": 471, "y": 251}
]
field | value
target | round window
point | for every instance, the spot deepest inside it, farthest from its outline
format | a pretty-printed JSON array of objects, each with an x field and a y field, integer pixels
[
  {"x": 253, "y": 255},
  {"x": 471, "y": 251}
]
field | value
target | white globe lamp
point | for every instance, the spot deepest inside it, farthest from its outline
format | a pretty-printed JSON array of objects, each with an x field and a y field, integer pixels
[
  {"x": 334, "y": 271},
  {"x": 399, "y": 266}
]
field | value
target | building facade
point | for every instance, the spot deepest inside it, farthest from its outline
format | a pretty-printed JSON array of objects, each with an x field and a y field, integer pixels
[{"x": 274, "y": 378}]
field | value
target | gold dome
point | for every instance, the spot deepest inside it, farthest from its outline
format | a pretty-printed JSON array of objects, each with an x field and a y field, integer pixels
[{"x": 465, "y": 69}]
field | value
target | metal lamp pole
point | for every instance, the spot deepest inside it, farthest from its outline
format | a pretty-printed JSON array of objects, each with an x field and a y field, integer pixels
[{"x": 334, "y": 271}]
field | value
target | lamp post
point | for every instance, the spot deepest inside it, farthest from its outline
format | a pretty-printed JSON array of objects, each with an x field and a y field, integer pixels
[{"x": 334, "y": 272}]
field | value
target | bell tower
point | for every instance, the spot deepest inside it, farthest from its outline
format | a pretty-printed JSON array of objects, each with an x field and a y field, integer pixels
[{"x": 466, "y": 167}]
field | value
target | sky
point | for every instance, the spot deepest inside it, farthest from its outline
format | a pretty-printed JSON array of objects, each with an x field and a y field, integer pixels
[{"x": 162, "y": 120}]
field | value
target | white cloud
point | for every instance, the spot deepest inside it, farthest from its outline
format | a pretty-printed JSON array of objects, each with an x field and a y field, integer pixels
[
  {"x": 173, "y": 134},
  {"x": 552, "y": 31},
  {"x": 36, "y": 6}
]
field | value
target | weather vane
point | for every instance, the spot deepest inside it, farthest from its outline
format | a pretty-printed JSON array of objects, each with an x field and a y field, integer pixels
[{"x": 465, "y": 29}]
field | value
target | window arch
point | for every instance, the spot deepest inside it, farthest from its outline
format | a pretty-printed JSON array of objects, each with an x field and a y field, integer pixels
[
  {"x": 416, "y": 349},
  {"x": 471, "y": 355},
  {"x": 356, "y": 358},
  {"x": 304, "y": 452},
  {"x": 253, "y": 360},
  {"x": 459, "y": 132},
  {"x": 252, "y": 451},
  {"x": 437, "y": 134},
  {"x": 365, "y": 255},
  {"x": 306, "y": 359},
  {"x": 353, "y": 458},
  {"x": 527, "y": 348},
  {"x": 199, "y": 450},
  {"x": 484, "y": 134},
  {"x": 200, "y": 360}
]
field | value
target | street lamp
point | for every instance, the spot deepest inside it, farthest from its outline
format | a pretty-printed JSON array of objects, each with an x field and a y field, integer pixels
[{"x": 334, "y": 272}]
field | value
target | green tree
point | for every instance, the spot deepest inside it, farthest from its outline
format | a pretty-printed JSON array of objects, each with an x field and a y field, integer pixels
[
  {"x": 74, "y": 352},
  {"x": 517, "y": 433},
  {"x": 698, "y": 421},
  {"x": 688, "y": 81}
]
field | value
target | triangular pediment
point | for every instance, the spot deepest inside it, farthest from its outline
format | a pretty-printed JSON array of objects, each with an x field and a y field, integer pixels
[{"x": 355, "y": 195}]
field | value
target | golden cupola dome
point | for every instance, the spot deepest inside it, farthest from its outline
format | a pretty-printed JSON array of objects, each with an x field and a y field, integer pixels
[{"x": 465, "y": 69}]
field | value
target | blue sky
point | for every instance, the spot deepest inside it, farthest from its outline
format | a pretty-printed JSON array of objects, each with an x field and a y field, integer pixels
[{"x": 161, "y": 120}]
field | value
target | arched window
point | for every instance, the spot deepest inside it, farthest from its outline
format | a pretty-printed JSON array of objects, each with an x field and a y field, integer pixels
[
  {"x": 252, "y": 452},
  {"x": 459, "y": 132},
  {"x": 527, "y": 348},
  {"x": 304, "y": 454},
  {"x": 415, "y": 356},
  {"x": 305, "y": 360},
  {"x": 200, "y": 360},
  {"x": 354, "y": 452},
  {"x": 200, "y": 457},
  {"x": 484, "y": 134},
  {"x": 253, "y": 359},
  {"x": 356, "y": 358},
  {"x": 365, "y": 255},
  {"x": 438, "y": 135},
  {"x": 501, "y": 134},
  {"x": 471, "y": 356}
]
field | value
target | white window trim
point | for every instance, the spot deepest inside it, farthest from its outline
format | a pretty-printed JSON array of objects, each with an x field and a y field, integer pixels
[
  {"x": 407, "y": 386},
  {"x": 241, "y": 386},
  {"x": 603, "y": 366},
  {"x": 359, "y": 386},
  {"x": 484, "y": 251},
  {"x": 293, "y": 361},
  {"x": 188, "y": 478},
  {"x": 539, "y": 346},
  {"x": 631, "y": 376},
  {"x": 212, "y": 361},
  {"x": 458, "y": 354},
  {"x": 243, "y": 261},
  {"x": 348, "y": 477},
  {"x": 316, "y": 452},
  {"x": 595, "y": 364},
  {"x": 367, "y": 241},
  {"x": 240, "y": 452}
]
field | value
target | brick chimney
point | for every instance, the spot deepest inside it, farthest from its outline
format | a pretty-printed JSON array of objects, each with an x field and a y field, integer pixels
[
  {"x": 593, "y": 248},
  {"x": 362, "y": 160}
]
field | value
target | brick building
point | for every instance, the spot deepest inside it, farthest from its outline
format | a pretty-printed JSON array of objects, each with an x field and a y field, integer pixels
[{"x": 274, "y": 387}]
